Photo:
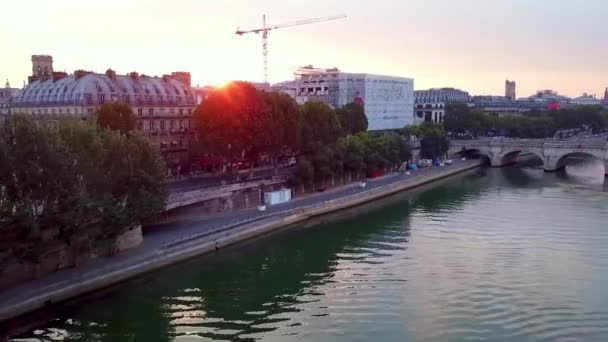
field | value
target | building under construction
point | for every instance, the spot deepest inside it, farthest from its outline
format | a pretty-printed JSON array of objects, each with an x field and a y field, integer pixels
[{"x": 388, "y": 101}]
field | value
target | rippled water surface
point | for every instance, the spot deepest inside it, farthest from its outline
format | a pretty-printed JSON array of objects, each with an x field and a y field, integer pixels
[{"x": 497, "y": 254}]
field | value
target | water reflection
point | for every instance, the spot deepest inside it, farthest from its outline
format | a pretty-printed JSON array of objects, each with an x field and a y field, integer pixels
[
  {"x": 495, "y": 254},
  {"x": 585, "y": 170}
]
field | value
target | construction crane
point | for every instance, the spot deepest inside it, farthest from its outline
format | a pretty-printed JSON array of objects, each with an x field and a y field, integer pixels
[{"x": 265, "y": 29}]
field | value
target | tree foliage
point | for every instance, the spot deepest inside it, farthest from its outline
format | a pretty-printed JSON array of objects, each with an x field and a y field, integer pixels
[
  {"x": 434, "y": 143},
  {"x": 461, "y": 119},
  {"x": 352, "y": 119},
  {"x": 318, "y": 125},
  {"x": 74, "y": 183},
  {"x": 239, "y": 119},
  {"x": 116, "y": 117}
]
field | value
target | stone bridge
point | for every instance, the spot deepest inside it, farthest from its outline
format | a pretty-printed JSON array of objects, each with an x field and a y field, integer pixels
[{"x": 553, "y": 153}]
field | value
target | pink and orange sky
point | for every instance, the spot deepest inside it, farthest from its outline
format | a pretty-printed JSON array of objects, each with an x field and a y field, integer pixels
[{"x": 470, "y": 44}]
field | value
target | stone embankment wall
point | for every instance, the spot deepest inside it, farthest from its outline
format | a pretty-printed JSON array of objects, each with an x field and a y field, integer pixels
[
  {"x": 197, "y": 203},
  {"x": 14, "y": 270}
]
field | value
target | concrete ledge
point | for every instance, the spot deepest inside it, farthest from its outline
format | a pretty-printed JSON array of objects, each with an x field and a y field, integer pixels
[{"x": 194, "y": 248}]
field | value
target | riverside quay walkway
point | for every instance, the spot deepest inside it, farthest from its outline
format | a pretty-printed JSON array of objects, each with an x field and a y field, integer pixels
[{"x": 168, "y": 244}]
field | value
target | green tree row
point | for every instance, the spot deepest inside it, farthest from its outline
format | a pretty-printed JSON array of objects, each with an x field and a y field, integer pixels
[
  {"x": 239, "y": 121},
  {"x": 461, "y": 119},
  {"x": 71, "y": 183}
]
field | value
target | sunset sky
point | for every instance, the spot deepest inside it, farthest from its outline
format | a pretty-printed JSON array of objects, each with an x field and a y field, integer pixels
[{"x": 470, "y": 44}]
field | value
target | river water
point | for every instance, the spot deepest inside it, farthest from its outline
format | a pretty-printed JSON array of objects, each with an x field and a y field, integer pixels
[{"x": 495, "y": 254}]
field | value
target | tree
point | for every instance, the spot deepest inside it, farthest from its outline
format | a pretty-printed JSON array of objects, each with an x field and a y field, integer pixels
[
  {"x": 352, "y": 118},
  {"x": 275, "y": 126},
  {"x": 304, "y": 174},
  {"x": 116, "y": 117},
  {"x": 318, "y": 125},
  {"x": 435, "y": 143},
  {"x": 72, "y": 184},
  {"x": 225, "y": 121},
  {"x": 457, "y": 117},
  {"x": 353, "y": 151}
]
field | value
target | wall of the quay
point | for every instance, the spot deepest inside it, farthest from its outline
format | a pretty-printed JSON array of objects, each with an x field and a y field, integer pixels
[{"x": 14, "y": 269}]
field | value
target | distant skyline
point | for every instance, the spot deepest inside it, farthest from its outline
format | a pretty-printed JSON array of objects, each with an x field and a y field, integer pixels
[{"x": 473, "y": 45}]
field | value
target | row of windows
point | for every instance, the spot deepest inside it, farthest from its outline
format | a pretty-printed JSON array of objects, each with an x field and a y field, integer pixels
[
  {"x": 420, "y": 106},
  {"x": 165, "y": 124},
  {"x": 442, "y": 99},
  {"x": 436, "y": 117},
  {"x": 166, "y": 144},
  {"x": 150, "y": 112},
  {"x": 87, "y": 98}
]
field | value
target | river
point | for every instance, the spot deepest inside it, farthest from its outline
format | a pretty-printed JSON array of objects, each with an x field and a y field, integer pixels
[{"x": 494, "y": 254}]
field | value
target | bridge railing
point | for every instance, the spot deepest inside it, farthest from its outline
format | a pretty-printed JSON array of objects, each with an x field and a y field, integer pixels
[{"x": 532, "y": 143}]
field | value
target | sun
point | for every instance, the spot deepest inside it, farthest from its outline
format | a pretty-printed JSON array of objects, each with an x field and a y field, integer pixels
[{"x": 223, "y": 84}]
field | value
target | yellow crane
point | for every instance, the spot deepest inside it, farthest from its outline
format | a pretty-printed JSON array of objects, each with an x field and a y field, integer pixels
[{"x": 265, "y": 29}]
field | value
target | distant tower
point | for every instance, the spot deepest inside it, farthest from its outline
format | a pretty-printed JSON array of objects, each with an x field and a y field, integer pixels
[
  {"x": 7, "y": 84},
  {"x": 42, "y": 67},
  {"x": 510, "y": 89},
  {"x": 606, "y": 95}
]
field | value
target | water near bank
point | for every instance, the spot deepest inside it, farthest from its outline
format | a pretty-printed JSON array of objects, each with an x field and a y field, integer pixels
[{"x": 500, "y": 254}]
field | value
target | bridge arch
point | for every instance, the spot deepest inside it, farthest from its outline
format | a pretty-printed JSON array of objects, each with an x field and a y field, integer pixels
[
  {"x": 474, "y": 152},
  {"x": 509, "y": 156},
  {"x": 561, "y": 161}
]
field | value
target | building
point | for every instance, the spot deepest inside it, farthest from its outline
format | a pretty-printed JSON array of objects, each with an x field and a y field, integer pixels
[
  {"x": 201, "y": 93},
  {"x": 430, "y": 104},
  {"x": 501, "y": 105},
  {"x": 586, "y": 100},
  {"x": 388, "y": 101},
  {"x": 548, "y": 99},
  {"x": 510, "y": 89},
  {"x": 163, "y": 106},
  {"x": 8, "y": 96}
]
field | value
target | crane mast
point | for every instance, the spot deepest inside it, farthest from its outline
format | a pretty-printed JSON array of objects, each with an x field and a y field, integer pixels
[{"x": 265, "y": 29}]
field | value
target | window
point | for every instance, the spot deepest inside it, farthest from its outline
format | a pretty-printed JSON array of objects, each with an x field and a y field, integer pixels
[
  {"x": 181, "y": 124},
  {"x": 151, "y": 125},
  {"x": 140, "y": 111},
  {"x": 140, "y": 125},
  {"x": 151, "y": 111},
  {"x": 127, "y": 99},
  {"x": 181, "y": 111},
  {"x": 189, "y": 111},
  {"x": 172, "y": 124},
  {"x": 101, "y": 98},
  {"x": 162, "y": 125}
]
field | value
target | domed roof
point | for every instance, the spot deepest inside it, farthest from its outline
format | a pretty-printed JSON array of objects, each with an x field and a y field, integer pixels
[{"x": 96, "y": 89}]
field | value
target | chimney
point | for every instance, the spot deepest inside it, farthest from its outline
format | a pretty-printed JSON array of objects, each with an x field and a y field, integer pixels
[
  {"x": 134, "y": 75},
  {"x": 182, "y": 76},
  {"x": 57, "y": 75},
  {"x": 78, "y": 74}
]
